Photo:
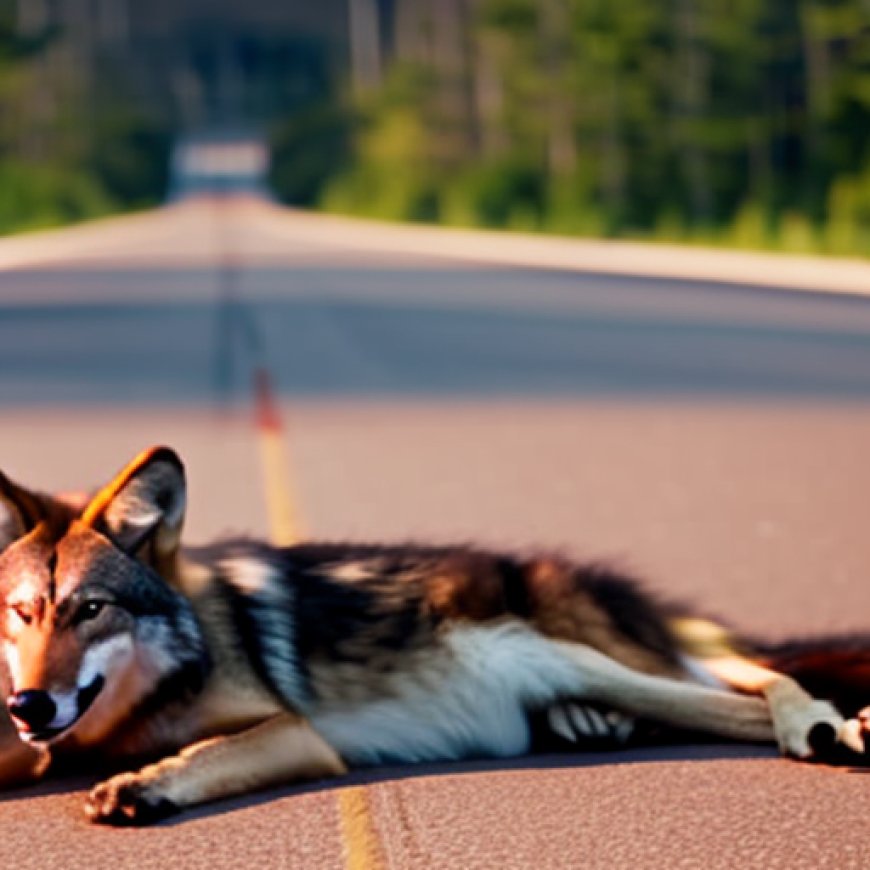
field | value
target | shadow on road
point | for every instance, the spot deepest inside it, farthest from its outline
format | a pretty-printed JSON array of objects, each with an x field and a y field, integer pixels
[
  {"x": 77, "y": 781},
  {"x": 566, "y": 761},
  {"x": 377, "y": 334}
]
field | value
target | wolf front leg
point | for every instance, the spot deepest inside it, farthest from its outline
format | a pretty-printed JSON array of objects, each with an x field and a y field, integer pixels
[
  {"x": 21, "y": 764},
  {"x": 280, "y": 750}
]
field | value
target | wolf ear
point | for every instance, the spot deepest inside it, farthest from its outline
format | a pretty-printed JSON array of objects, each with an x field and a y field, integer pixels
[
  {"x": 142, "y": 509},
  {"x": 20, "y": 511}
]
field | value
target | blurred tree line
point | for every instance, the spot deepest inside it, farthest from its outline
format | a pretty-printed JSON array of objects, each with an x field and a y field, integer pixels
[
  {"x": 741, "y": 122},
  {"x": 73, "y": 144}
]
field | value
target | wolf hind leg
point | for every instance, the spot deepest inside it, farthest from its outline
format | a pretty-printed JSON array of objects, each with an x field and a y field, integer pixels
[
  {"x": 723, "y": 713},
  {"x": 282, "y": 749},
  {"x": 669, "y": 701}
]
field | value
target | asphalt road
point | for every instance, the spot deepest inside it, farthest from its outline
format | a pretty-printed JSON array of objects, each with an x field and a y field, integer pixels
[{"x": 711, "y": 436}]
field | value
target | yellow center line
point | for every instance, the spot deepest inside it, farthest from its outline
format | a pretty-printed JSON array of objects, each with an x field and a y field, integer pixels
[
  {"x": 362, "y": 848},
  {"x": 285, "y": 525}
]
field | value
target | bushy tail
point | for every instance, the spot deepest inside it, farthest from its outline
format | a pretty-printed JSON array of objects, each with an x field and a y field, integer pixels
[{"x": 836, "y": 669}]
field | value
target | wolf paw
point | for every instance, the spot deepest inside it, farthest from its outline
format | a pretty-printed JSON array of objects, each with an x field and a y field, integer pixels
[
  {"x": 851, "y": 734},
  {"x": 127, "y": 799},
  {"x": 817, "y": 730}
]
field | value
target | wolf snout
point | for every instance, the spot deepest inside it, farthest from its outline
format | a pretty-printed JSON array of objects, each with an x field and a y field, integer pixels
[{"x": 32, "y": 707}]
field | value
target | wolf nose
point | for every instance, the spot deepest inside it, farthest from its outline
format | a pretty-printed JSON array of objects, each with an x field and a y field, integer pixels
[{"x": 33, "y": 707}]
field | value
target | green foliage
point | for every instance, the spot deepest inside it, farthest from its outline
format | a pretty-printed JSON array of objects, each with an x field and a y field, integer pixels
[
  {"x": 307, "y": 150},
  {"x": 392, "y": 169},
  {"x": 504, "y": 193},
  {"x": 741, "y": 123},
  {"x": 518, "y": 17},
  {"x": 33, "y": 196},
  {"x": 848, "y": 223},
  {"x": 71, "y": 146},
  {"x": 127, "y": 156}
]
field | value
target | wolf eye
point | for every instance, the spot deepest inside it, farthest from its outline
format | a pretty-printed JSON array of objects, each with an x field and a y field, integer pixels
[
  {"x": 89, "y": 610},
  {"x": 22, "y": 613}
]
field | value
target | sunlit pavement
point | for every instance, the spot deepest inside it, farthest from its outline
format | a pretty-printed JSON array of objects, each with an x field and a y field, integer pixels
[
  {"x": 193, "y": 231},
  {"x": 713, "y": 437}
]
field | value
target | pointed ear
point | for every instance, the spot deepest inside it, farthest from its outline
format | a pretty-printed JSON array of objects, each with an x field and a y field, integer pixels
[
  {"x": 142, "y": 509},
  {"x": 20, "y": 511}
]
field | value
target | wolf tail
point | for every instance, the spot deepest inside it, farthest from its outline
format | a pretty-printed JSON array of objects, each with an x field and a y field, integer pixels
[{"x": 836, "y": 669}]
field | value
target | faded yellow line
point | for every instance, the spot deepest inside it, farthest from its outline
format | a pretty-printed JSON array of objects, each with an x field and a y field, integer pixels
[
  {"x": 361, "y": 846},
  {"x": 285, "y": 526}
]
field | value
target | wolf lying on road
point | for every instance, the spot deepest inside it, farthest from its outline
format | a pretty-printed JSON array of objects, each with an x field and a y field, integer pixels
[{"x": 242, "y": 665}]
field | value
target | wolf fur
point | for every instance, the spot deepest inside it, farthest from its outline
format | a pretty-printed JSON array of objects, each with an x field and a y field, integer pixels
[{"x": 242, "y": 665}]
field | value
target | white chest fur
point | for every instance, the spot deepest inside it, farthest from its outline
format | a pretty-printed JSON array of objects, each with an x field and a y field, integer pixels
[{"x": 468, "y": 698}]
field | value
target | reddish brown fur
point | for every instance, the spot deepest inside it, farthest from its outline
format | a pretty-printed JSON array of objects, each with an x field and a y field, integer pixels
[
  {"x": 457, "y": 593},
  {"x": 554, "y": 602},
  {"x": 560, "y": 610}
]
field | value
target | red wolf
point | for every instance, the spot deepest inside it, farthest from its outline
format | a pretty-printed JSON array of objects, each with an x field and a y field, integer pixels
[{"x": 242, "y": 665}]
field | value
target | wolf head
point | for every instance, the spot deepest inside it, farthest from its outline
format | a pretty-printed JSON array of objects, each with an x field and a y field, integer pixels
[{"x": 90, "y": 624}]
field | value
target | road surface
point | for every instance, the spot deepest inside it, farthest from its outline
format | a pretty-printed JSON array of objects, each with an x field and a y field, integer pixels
[{"x": 713, "y": 437}]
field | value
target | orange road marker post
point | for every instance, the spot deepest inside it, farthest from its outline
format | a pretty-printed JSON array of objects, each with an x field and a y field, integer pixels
[{"x": 285, "y": 527}]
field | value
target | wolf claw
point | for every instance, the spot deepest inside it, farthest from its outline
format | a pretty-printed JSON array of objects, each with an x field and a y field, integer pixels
[
  {"x": 127, "y": 800},
  {"x": 851, "y": 734},
  {"x": 577, "y": 723}
]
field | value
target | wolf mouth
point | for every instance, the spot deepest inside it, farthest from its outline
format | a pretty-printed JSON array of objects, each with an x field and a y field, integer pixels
[{"x": 84, "y": 698}]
